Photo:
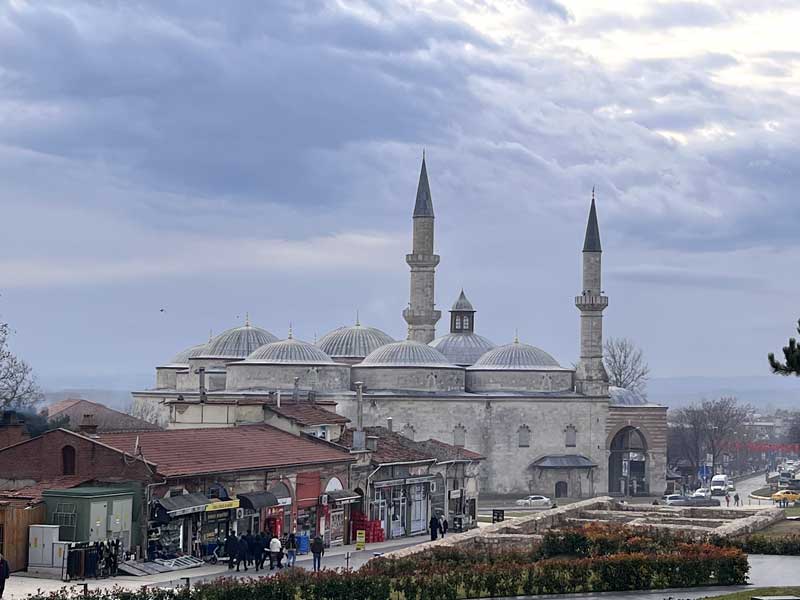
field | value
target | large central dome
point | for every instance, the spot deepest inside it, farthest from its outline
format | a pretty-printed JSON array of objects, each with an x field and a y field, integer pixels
[
  {"x": 238, "y": 342},
  {"x": 516, "y": 357},
  {"x": 182, "y": 358},
  {"x": 354, "y": 342},
  {"x": 462, "y": 348},
  {"x": 407, "y": 353},
  {"x": 290, "y": 352}
]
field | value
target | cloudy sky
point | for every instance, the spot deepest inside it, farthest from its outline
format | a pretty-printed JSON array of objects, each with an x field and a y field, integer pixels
[{"x": 212, "y": 159}]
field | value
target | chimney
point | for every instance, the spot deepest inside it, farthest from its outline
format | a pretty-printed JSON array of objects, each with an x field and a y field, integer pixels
[
  {"x": 88, "y": 424},
  {"x": 202, "y": 383},
  {"x": 278, "y": 399},
  {"x": 296, "y": 390},
  {"x": 360, "y": 405},
  {"x": 389, "y": 424},
  {"x": 12, "y": 429}
]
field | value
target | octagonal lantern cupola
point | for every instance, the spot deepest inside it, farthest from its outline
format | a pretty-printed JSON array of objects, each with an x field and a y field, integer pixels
[{"x": 462, "y": 315}]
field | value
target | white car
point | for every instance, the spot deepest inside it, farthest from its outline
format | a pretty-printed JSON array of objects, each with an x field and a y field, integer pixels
[
  {"x": 535, "y": 502},
  {"x": 701, "y": 493},
  {"x": 669, "y": 499},
  {"x": 731, "y": 486}
]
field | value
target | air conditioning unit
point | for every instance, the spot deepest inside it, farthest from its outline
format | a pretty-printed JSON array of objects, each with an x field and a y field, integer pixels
[
  {"x": 240, "y": 513},
  {"x": 323, "y": 500}
]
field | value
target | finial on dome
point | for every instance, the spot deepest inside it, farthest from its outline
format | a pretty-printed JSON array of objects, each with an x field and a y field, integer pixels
[
  {"x": 247, "y": 319},
  {"x": 516, "y": 335},
  {"x": 358, "y": 320},
  {"x": 210, "y": 334},
  {"x": 592, "y": 193},
  {"x": 290, "y": 330}
]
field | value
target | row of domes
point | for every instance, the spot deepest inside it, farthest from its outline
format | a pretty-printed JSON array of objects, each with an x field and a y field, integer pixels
[{"x": 369, "y": 347}]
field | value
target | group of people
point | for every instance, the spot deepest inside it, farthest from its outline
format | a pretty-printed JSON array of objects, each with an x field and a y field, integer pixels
[
  {"x": 736, "y": 500},
  {"x": 254, "y": 549},
  {"x": 438, "y": 526}
]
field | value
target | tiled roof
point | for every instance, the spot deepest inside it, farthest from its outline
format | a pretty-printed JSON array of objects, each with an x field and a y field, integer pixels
[
  {"x": 308, "y": 414},
  {"x": 34, "y": 492},
  {"x": 392, "y": 447},
  {"x": 106, "y": 419},
  {"x": 221, "y": 450},
  {"x": 445, "y": 452}
]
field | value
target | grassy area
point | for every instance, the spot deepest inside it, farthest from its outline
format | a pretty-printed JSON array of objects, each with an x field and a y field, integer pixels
[
  {"x": 793, "y": 511},
  {"x": 766, "y": 492},
  {"x": 767, "y": 591},
  {"x": 782, "y": 528}
]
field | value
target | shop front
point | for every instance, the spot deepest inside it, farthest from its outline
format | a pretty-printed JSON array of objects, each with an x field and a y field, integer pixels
[
  {"x": 309, "y": 511},
  {"x": 215, "y": 525},
  {"x": 255, "y": 510},
  {"x": 175, "y": 525},
  {"x": 337, "y": 504},
  {"x": 279, "y": 516}
]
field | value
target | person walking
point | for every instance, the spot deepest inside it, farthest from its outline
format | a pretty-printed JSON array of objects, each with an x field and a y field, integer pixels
[
  {"x": 231, "y": 549},
  {"x": 317, "y": 550},
  {"x": 291, "y": 550},
  {"x": 727, "y": 499},
  {"x": 258, "y": 550},
  {"x": 275, "y": 553},
  {"x": 5, "y": 573},
  {"x": 434, "y": 525},
  {"x": 736, "y": 499},
  {"x": 241, "y": 553},
  {"x": 443, "y": 525}
]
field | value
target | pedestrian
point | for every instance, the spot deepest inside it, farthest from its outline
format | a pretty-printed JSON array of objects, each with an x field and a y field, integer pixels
[
  {"x": 258, "y": 551},
  {"x": 275, "y": 553},
  {"x": 443, "y": 525},
  {"x": 5, "y": 573},
  {"x": 434, "y": 524},
  {"x": 727, "y": 499},
  {"x": 251, "y": 548},
  {"x": 241, "y": 553},
  {"x": 736, "y": 499},
  {"x": 291, "y": 550},
  {"x": 318, "y": 550},
  {"x": 231, "y": 549}
]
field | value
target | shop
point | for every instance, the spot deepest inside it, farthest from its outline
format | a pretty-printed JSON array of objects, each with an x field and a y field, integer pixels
[
  {"x": 175, "y": 523},
  {"x": 310, "y": 521},
  {"x": 337, "y": 506},
  {"x": 257, "y": 508},
  {"x": 217, "y": 522},
  {"x": 279, "y": 516}
]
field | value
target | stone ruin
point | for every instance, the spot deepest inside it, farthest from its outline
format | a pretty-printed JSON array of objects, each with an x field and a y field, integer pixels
[{"x": 522, "y": 533}]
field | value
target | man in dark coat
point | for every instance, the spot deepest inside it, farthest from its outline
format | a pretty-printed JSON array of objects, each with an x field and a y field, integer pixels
[
  {"x": 317, "y": 550},
  {"x": 5, "y": 573},
  {"x": 242, "y": 551},
  {"x": 231, "y": 549},
  {"x": 260, "y": 548},
  {"x": 434, "y": 524},
  {"x": 251, "y": 548}
]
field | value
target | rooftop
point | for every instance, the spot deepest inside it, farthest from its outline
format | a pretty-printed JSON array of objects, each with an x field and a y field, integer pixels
[
  {"x": 307, "y": 414},
  {"x": 106, "y": 419},
  {"x": 392, "y": 447}
]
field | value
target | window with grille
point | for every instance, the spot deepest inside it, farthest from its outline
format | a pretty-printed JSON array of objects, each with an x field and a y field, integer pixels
[
  {"x": 524, "y": 436},
  {"x": 571, "y": 435}
]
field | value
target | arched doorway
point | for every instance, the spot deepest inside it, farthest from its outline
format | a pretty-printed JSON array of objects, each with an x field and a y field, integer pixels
[
  {"x": 562, "y": 489},
  {"x": 627, "y": 463}
]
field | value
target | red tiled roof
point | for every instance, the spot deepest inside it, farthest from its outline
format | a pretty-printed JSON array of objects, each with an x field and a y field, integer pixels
[
  {"x": 308, "y": 414},
  {"x": 106, "y": 419},
  {"x": 392, "y": 447},
  {"x": 34, "y": 492},
  {"x": 57, "y": 407},
  {"x": 226, "y": 449},
  {"x": 445, "y": 452}
]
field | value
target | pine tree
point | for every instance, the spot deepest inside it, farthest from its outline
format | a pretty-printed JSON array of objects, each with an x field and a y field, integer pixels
[{"x": 792, "y": 355}]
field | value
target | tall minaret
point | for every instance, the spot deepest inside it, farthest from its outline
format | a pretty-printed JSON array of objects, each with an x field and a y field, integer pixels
[
  {"x": 420, "y": 314},
  {"x": 590, "y": 376}
]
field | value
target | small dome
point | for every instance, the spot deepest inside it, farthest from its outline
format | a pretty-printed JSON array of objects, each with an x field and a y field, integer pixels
[
  {"x": 238, "y": 342},
  {"x": 290, "y": 352},
  {"x": 405, "y": 354},
  {"x": 516, "y": 357},
  {"x": 182, "y": 358},
  {"x": 623, "y": 397},
  {"x": 353, "y": 342},
  {"x": 462, "y": 348}
]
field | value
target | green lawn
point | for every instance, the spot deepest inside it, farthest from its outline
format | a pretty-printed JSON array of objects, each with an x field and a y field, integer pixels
[{"x": 767, "y": 591}]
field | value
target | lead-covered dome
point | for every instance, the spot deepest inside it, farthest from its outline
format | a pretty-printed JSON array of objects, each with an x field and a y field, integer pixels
[
  {"x": 238, "y": 342},
  {"x": 355, "y": 342},
  {"x": 623, "y": 397},
  {"x": 290, "y": 352},
  {"x": 407, "y": 353},
  {"x": 182, "y": 358},
  {"x": 462, "y": 348},
  {"x": 516, "y": 357}
]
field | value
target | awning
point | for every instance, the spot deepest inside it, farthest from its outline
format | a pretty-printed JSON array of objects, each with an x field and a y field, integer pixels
[
  {"x": 421, "y": 479},
  {"x": 343, "y": 496},
  {"x": 388, "y": 483},
  {"x": 563, "y": 461},
  {"x": 257, "y": 500},
  {"x": 184, "y": 504}
]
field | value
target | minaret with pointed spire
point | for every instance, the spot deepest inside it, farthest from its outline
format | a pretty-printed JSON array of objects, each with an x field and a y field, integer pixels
[
  {"x": 590, "y": 376},
  {"x": 421, "y": 314}
]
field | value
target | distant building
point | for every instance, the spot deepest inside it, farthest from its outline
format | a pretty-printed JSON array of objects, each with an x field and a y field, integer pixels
[
  {"x": 541, "y": 427},
  {"x": 97, "y": 417}
]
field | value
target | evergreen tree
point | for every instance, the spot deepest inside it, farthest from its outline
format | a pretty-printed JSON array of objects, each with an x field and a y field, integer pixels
[{"x": 792, "y": 355}]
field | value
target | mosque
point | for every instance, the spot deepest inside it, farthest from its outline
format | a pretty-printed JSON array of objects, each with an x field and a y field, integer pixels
[{"x": 542, "y": 427}]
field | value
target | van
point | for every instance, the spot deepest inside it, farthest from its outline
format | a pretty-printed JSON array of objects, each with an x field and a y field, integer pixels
[{"x": 719, "y": 485}]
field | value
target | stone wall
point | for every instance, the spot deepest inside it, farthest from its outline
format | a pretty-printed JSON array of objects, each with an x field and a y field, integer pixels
[
  {"x": 323, "y": 378},
  {"x": 526, "y": 381},
  {"x": 422, "y": 379}
]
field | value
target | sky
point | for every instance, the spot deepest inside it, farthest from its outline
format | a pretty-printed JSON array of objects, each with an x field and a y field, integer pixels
[{"x": 168, "y": 167}]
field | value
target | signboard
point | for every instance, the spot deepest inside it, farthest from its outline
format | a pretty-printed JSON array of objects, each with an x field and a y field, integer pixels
[
  {"x": 704, "y": 472},
  {"x": 361, "y": 539},
  {"x": 455, "y": 493},
  {"x": 498, "y": 515},
  {"x": 222, "y": 505},
  {"x": 285, "y": 501}
]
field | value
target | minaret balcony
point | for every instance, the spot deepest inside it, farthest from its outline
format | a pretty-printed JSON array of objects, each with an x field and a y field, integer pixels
[
  {"x": 421, "y": 316},
  {"x": 422, "y": 260},
  {"x": 591, "y": 302}
]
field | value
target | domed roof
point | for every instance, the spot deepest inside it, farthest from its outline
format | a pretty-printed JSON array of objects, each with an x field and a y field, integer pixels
[
  {"x": 238, "y": 342},
  {"x": 407, "y": 353},
  {"x": 462, "y": 348},
  {"x": 515, "y": 357},
  {"x": 353, "y": 342},
  {"x": 462, "y": 303},
  {"x": 290, "y": 352},
  {"x": 182, "y": 358},
  {"x": 624, "y": 397}
]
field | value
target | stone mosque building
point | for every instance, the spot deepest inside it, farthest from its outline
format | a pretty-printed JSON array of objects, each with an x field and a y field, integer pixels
[{"x": 541, "y": 427}]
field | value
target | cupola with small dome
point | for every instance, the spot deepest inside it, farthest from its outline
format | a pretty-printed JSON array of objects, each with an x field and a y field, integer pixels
[{"x": 462, "y": 346}]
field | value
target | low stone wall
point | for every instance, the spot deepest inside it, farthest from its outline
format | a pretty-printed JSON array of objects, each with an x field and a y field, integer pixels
[{"x": 756, "y": 522}]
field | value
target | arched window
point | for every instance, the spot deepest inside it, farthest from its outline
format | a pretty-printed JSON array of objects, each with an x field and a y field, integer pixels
[
  {"x": 459, "y": 436},
  {"x": 68, "y": 460},
  {"x": 571, "y": 436},
  {"x": 458, "y": 322},
  {"x": 524, "y": 436},
  {"x": 466, "y": 322},
  {"x": 408, "y": 431}
]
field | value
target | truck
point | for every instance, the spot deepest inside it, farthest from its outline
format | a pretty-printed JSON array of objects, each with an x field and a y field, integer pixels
[{"x": 719, "y": 485}]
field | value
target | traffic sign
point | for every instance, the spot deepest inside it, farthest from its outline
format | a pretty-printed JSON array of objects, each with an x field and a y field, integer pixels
[{"x": 704, "y": 472}]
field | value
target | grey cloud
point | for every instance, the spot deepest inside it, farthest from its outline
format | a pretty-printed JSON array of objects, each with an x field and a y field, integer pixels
[
  {"x": 552, "y": 8},
  {"x": 680, "y": 276}
]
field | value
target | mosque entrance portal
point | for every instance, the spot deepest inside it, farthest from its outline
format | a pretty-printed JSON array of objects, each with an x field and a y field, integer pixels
[{"x": 627, "y": 463}]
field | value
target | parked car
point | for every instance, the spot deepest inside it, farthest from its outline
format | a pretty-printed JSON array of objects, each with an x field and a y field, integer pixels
[
  {"x": 535, "y": 501},
  {"x": 670, "y": 499},
  {"x": 701, "y": 493},
  {"x": 731, "y": 486},
  {"x": 697, "y": 501},
  {"x": 787, "y": 495}
]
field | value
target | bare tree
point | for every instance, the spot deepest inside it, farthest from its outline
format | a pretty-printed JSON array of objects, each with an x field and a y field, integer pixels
[
  {"x": 689, "y": 426},
  {"x": 18, "y": 386},
  {"x": 625, "y": 365}
]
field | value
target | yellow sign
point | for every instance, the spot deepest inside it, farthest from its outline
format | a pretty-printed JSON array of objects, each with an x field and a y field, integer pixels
[
  {"x": 222, "y": 505},
  {"x": 361, "y": 539}
]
